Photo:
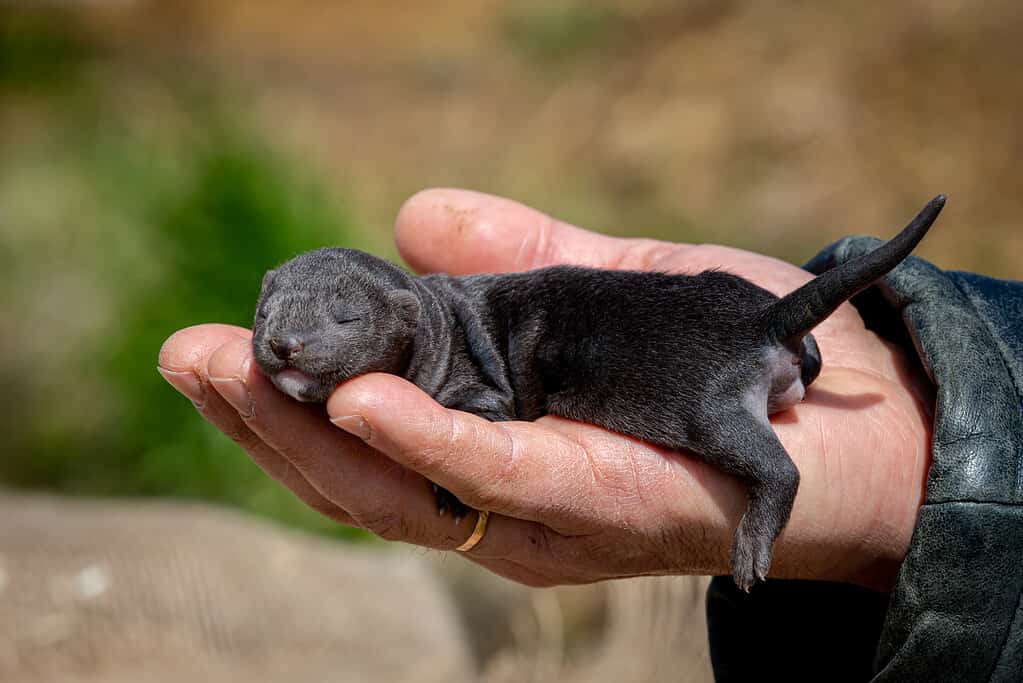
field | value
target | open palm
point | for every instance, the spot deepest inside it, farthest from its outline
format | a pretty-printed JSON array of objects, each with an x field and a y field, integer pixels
[{"x": 571, "y": 502}]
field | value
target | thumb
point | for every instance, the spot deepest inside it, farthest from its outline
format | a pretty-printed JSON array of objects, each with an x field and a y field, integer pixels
[{"x": 461, "y": 232}]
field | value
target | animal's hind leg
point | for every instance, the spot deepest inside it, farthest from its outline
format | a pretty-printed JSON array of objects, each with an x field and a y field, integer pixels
[{"x": 746, "y": 447}]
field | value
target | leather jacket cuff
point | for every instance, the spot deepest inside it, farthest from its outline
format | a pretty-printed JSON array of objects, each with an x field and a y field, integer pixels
[{"x": 956, "y": 611}]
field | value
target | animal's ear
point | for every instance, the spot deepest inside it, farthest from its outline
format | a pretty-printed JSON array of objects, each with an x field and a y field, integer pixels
[
  {"x": 267, "y": 279},
  {"x": 405, "y": 305}
]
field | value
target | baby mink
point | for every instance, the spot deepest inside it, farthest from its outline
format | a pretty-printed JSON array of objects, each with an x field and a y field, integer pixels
[{"x": 690, "y": 362}]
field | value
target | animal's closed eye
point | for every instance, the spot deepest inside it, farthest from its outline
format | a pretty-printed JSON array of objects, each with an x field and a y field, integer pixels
[{"x": 342, "y": 319}]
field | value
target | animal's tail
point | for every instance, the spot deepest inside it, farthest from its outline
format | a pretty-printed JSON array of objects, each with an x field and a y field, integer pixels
[{"x": 792, "y": 317}]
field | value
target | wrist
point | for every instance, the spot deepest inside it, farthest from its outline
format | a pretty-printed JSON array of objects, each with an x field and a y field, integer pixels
[{"x": 863, "y": 448}]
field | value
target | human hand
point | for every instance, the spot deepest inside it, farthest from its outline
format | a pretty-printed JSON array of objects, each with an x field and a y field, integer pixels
[{"x": 570, "y": 502}]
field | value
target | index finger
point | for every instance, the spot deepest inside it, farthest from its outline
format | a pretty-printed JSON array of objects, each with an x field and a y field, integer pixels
[
  {"x": 451, "y": 448},
  {"x": 559, "y": 473},
  {"x": 462, "y": 232}
]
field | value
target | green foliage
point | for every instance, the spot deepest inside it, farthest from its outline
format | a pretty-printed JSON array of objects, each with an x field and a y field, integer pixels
[
  {"x": 241, "y": 214},
  {"x": 168, "y": 226},
  {"x": 551, "y": 34},
  {"x": 39, "y": 51}
]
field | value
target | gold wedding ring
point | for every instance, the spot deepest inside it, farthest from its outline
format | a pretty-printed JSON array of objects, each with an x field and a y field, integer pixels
[{"x": 477, "y": 533}]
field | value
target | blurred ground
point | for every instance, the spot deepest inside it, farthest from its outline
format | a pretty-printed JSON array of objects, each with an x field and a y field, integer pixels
[
  {"x": 140, "y": 591},
  {"x": 157, "y": 157},
  {"x": 161, "y": 592}
]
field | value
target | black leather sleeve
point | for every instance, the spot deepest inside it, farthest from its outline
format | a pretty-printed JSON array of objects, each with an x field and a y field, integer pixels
[{"x": 956, "y": 612}]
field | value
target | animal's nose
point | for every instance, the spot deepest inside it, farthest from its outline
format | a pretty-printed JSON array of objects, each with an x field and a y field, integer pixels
[{"x": 286, "y": 347}]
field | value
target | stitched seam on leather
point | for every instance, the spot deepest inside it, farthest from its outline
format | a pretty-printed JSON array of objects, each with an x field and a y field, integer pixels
[{"x": 1016, "y": 381}]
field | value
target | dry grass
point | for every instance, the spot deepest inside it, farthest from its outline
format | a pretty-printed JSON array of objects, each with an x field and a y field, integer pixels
[{"x": 771, "y": 126}]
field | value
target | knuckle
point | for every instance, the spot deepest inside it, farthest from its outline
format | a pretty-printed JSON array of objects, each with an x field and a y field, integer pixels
[
  {"x": 646, "y": 254},
  {"x": 507, "y": 461},
  {"x": 539, "y": 247}
]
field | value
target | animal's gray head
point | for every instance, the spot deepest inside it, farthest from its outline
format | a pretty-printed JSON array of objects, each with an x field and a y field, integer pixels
[{"x": 329, "y": 315}]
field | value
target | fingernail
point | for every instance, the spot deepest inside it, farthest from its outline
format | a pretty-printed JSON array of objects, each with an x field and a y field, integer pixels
[
  {"x": 354, "y": 424},
  {"x": 187, "y": 383},
  {"x": 236, "y": 393}
]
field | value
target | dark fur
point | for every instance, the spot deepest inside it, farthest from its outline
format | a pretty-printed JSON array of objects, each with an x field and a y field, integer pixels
[{"x": 694, "y": 363}]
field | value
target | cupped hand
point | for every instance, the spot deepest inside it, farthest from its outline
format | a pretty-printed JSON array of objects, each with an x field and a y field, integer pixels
[{"x": 570, "y": 502}]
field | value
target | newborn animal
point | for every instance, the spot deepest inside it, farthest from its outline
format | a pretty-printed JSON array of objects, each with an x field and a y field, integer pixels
[{"x": 689, "y": 362}]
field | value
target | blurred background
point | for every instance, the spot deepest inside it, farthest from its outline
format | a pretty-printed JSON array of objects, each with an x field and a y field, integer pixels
[{"x": 157, "y": 157}]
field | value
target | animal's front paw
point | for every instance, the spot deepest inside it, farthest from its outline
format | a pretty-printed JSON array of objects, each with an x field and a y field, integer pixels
[
  {"x": 446, "y": 502},
  {"x": 751, "y": 555}
]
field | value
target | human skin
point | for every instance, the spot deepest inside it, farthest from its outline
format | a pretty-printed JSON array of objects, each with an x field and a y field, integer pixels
[{"x": 570, "y": 502}]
